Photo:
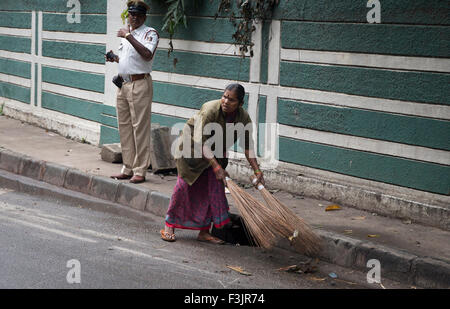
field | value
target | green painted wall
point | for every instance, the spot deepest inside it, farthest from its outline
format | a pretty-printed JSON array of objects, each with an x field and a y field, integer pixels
[
  {"x": 109, "y": 110},
  {"x": 403, "y": 172},
  {"x": 109, "y": 121},
  {"x": 74, "y": 79},
  {"x": 15, "y": 67},
  {"x": 165, "y": 120},
  {"x": 409, "y": 40},
  {"x": 88, "y": 23},
  {"x": 371, "y": 124},
  {"x": 227, "y": 67},
  {"x": 74, "y": 51},
  {"x": 15, "y": 44},
  {"x": 15, "y": 92},
  {"x": 398, "y": 85},
  {"x": 185, "y": 96},
  {"x": 72, "y": 106},
  {"x": 265, "y": 40},
  {"x": 15, "y": 19},
  {"x": 109, "y": 135}
]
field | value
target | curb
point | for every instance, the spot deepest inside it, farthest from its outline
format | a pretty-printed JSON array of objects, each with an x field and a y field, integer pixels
[{"x": 108, "y": 194}]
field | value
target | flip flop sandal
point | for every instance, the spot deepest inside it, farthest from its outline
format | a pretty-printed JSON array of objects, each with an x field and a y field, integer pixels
[
  {"x": 212, "y": 240},
  {"x": 167, "y": 236}
]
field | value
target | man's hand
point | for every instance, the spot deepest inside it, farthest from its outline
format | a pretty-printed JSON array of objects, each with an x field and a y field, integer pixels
[
  {"x": 122, "y": 32},
  {"x": 114, "y": 57}
]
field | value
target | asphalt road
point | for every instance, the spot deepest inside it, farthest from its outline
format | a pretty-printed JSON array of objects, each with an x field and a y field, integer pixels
[{"x": 48, "y": 244}]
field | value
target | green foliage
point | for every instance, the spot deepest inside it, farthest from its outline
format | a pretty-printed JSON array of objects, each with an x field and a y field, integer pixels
[
  {"x": 249, "y": 12},
  {"x": 124, "y": 15},
  {"x": 1, "y": 109},
  {"x": 174, "y": 17}
]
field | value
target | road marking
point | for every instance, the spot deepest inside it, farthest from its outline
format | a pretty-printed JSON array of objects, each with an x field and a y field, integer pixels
[
  {"x": 27, "y": 213},
  {"x": 55, "y": 231},
  {"x": 111, "y": 237},
  {"x": 141, "y": 254},
  {"x": 228, "y": 284}
]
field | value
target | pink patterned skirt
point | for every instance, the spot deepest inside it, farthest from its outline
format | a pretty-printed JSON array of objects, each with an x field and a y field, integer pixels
[{"x": 196, "y": 207}]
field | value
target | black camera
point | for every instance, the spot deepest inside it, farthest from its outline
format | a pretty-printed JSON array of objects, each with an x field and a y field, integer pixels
[
  {"x": 118, "y": 81},
  {"x": 110, "y": 55}
]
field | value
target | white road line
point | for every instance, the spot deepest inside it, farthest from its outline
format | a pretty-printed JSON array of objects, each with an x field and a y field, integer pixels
[
  {"x": 55, "y": 231},
  {"x": 141, "y": 254},
  {"x": 110, "y": 236}
]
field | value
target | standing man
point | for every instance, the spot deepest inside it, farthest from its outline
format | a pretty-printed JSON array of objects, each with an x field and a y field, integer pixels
[{"x": 134, "y": 98}]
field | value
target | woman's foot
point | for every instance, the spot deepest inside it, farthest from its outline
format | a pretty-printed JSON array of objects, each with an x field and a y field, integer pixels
[
  {"x": 205, "y": 236},
  {"x": 168, "y": 234}
]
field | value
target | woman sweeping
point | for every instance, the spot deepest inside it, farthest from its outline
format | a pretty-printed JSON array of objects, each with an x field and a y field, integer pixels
[{"x": 198, "y": 199}]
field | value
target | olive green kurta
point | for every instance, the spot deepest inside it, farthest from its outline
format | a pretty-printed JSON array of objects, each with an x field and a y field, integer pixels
[{"x": 190, "y": 163}]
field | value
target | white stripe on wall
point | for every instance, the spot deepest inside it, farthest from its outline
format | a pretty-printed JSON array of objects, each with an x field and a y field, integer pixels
[
  {"x": 74, "y": 37},
  {"x": 15, "y": 32},
  {"x": 25, "y": 82},
  {"x": 172, "y": 110},
  {"x": 367, "y": 60},
  {"x": 73, "y": 65},
  {"x": 255, "y": 61},
  {"x": 40, "y": 23},
  {"x": 355, "y": 101},
  {"x": 367, "y": 144},
  {"x": 33, "y": 59},
  {"x": 73, "y": 92},
  {"x": 15, "y": 56},
  {"x": 273, "y": 75}
]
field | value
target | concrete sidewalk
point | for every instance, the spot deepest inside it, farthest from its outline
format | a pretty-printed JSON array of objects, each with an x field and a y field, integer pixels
[{"x": 408, "y": 252}]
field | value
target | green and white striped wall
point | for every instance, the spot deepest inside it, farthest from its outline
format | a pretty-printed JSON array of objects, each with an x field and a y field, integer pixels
[
  {"x": 51, "y": 71},
  {"x": 355, "y": 102}
]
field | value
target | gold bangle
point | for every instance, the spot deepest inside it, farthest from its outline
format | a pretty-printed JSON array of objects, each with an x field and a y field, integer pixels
[{"x": 126, "y": 35}]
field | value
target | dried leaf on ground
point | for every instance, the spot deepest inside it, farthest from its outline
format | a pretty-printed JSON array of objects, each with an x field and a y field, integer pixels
[
  {"x": 358, "y": 218},
  {"x": 348, "y": 282},
  {"x": 373, "y": 235},
  {"x": 239, "y": 270},
  {"x": 348, "y": 231},
  {"x": 302, "y": 267},
  {"x": 316, "y": 278},
  {"x": 332, "y": 207}
]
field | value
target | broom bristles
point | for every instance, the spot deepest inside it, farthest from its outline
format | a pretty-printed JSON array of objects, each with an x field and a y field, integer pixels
[
  {"x": 262, "y": 223},
  {"x": 306, "y": 241}
]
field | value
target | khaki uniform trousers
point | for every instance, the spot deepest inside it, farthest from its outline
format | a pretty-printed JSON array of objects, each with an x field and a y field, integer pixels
[{"x": 134, "y": 107}]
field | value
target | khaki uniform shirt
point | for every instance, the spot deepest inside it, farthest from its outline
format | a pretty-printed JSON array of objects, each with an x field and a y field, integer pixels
[{"x": 190, "y": 163}]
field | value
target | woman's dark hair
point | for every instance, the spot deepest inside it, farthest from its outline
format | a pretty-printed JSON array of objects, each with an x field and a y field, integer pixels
[{"x": 239, "y": 90}]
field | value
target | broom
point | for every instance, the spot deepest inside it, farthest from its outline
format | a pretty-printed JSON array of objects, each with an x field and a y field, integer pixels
[
  {"x": 262, "y": 223},
  {"x": 301, "y": 236}
]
